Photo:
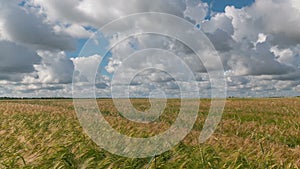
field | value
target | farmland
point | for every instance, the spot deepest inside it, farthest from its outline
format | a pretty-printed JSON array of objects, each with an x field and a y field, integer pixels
[{"x": 253, "y": 133}]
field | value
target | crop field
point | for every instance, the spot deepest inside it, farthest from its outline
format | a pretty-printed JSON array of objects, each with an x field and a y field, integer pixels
[{"x": 253, "y": 133}]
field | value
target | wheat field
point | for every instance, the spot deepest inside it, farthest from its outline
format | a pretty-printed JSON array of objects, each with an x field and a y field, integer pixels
[{"x": 253, "y": 133}]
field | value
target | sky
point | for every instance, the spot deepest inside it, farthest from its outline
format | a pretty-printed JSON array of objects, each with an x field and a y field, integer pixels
[{"x": 44, "y": 43}]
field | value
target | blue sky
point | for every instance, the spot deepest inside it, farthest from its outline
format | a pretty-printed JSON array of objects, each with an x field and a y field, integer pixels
[
  {"x": 215, "y": 6},
  {"x": 219, "y": 5},
  {"x": 40, "y": 43}
]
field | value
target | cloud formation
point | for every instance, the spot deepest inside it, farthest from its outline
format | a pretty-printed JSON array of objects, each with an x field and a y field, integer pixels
[
  {"x": 16, "y": 61},
  {"x": 256, "y": 40},
  {"x": 259, "y": 45}
]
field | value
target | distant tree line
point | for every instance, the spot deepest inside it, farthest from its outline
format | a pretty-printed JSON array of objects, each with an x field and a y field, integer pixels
[
  {"x": 57, "y": 98},
  {"x": 32, "y": 98}
]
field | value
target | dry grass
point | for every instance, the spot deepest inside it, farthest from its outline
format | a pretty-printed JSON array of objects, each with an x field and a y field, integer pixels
[{"x": 254, "y": 133}]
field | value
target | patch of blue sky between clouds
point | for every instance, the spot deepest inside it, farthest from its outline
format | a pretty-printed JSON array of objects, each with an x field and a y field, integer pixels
[
  {"x": 82, "y": 42},
  {"x": 216, "y": 6},
  {"x": 101, "y": 46},
  {"x": 220, "y": 5}
]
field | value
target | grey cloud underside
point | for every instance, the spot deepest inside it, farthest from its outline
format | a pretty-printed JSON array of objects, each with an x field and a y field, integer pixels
[
  {"x": 259, "y": 45},
  {"x": 153, "y": 41},
  {"x": 98, "y": 13},
  {"x": 23, "y": 33},
  {"x": 26, "y": 27},
  {"x": 240, "y": 28},
  {"x": 16, "y": 60}
]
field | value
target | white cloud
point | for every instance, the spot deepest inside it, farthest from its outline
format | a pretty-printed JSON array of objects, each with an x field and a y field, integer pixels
[
  {"x": 278, "y": 19},
  {"x": 259, "y": 45},
  {"x": 3, "y": 33},
  {"x": 219, "y": 21},
  {"x": 29, "y": 29},
  {"x": 74, "y": 30},
  {"x": 98, "y": 13},
  {"x": 55, "y": 68},
  {"x": 261, "y": 38},
  {"x": 87, "y": 67},
  {"x": 256, "y": 40},
  {"x": 196, "y": 10}
]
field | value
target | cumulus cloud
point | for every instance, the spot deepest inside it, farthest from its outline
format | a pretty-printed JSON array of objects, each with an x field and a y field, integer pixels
[
  {"x": 55, "y": 68},
  {"x": 255, "y": 40},
  {"x": 74, "y": 30},
  {"x": 16, "y": 61},
  {"x": 196, "y": 10},
  {"x": 21, "y": 26},
  {"x": 86, "y": 67},
  {"x": 25, "y": 66},
  {"x": 259, "y": 45},
  {"x": 98, "y": 13},
  {"x": 282, "y": 27}
]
